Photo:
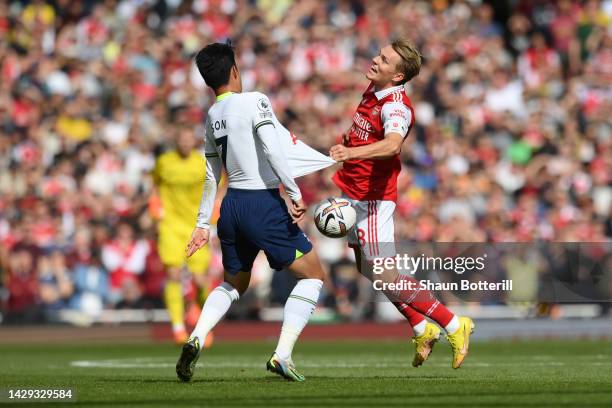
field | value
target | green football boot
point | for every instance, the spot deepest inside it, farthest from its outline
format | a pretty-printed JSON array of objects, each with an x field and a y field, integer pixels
[
  {"x": 284, "y": 368},
  {"x": 187, "y": 361}
]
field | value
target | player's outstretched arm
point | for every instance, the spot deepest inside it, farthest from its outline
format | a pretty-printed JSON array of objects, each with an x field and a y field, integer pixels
[
  {"x": 396, "y": 120},
  {"x": 388, "y": 147}
]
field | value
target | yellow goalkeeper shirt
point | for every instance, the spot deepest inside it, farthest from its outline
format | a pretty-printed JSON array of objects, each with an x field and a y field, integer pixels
[{"x": 180, "y": 182}]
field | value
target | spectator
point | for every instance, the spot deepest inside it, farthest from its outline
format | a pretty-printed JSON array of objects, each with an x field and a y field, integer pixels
[
  {"x": 22, "y": 285},
  {"x": 124, "y": 257},
  {"x": 55, "y": 282},
  {"x": 91, "y": 285}
]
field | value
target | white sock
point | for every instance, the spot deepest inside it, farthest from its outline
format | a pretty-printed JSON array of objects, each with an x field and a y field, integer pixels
[
  {"x": 216, "y": 305},
  {"x": 453, "y": 325},
  {"x": 419, "y": 329},
  {"x": 299, "y": 307}
]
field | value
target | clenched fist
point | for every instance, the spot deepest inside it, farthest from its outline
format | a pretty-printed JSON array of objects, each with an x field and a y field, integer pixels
[{"x": 339, "y": 153}]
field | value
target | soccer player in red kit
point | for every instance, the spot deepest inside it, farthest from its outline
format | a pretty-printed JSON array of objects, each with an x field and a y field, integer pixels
[{"x": 368, "y": 179}]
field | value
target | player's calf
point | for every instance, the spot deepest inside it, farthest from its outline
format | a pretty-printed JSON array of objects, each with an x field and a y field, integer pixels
[{"x": 298, "y": 308}]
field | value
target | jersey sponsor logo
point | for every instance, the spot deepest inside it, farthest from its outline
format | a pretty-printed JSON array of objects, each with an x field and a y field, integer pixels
[
  {"x": 359, "y": 133},
  {"x": 362, "y": 122}
]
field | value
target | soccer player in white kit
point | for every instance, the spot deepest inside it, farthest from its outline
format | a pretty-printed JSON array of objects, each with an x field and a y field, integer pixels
[{"x": 244, "y": 136}]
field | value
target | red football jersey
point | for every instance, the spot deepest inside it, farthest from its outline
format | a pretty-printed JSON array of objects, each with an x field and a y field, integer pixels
[{"x": 372, "y": 179}]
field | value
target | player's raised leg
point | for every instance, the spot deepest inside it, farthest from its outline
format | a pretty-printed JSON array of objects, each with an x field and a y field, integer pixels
[
  {"x": 374, "y": 237},
  {"x": 300, "y": 305},
  {"x": 425, "y": 334},
  {"x": 458, "y": 328}
]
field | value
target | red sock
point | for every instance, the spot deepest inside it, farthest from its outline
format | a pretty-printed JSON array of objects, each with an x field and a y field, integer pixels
[
  {"x": 409, "y": 313},
  {"x": 434, "y": 309},
  {"x": 422, "y": 301}
]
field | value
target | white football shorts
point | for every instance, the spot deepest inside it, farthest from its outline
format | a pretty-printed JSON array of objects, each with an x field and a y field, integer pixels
[{"x": 373, "y": 231}]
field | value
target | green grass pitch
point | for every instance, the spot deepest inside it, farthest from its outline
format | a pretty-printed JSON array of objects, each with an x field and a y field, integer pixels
[{"x": 339, "y": 374}]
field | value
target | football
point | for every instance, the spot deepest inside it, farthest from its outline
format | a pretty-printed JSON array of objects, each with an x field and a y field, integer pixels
[{"x": 334, "y": 217}]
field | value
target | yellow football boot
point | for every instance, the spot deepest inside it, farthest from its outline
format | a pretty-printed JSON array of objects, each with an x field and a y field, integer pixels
[
  {"x": 460, "y": 340},
  {"x": 424, "y": 343}
]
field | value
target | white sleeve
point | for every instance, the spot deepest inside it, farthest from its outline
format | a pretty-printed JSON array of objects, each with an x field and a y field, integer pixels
[
  {"x": 210, "y": 149},
  {"x": 263, "y": 114},
  {"x": 213, "y": 174},
  {"x": 274, "y": 152},
  {"x": 396, "y": 118},
  {"x": 263, "y": 124}
]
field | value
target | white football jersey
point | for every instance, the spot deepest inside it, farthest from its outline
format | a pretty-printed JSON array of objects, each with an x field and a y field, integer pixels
[
  {"x": 231, "y": 128},
  {"x": 257, "y": 151}
]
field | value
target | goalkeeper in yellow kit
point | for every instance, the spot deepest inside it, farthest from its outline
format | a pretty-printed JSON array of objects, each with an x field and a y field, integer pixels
[{"x": 178, "y": 178}]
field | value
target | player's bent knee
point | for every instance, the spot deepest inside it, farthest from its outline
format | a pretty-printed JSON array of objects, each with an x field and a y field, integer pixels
[{"x": 308, "y": 266}]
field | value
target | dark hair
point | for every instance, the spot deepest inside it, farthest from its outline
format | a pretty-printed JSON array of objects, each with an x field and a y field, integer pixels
[{"x": 215, "y": 62}]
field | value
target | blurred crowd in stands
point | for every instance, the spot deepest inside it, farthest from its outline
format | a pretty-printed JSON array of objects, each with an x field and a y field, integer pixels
[{"x": 512, "y": 141}]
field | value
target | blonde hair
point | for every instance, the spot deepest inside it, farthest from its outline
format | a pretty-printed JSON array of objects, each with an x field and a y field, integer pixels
[{"x": 410, "y": 64}]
